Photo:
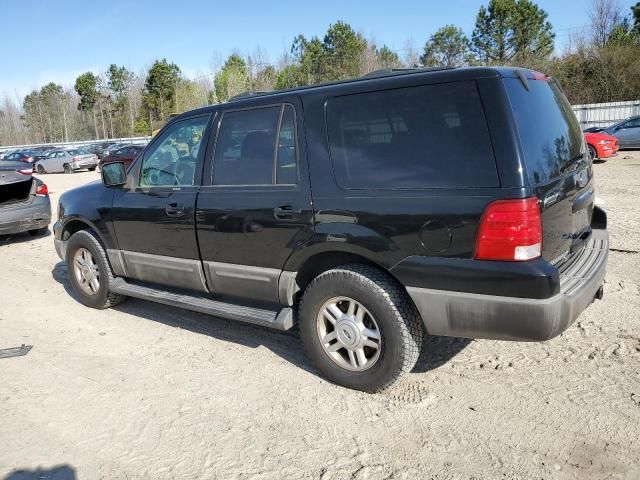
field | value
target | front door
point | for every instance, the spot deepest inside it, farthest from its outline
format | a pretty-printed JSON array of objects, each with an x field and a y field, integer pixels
[
  {"x": 254, "y": 208},
  {"x": 154, "y": 220}
]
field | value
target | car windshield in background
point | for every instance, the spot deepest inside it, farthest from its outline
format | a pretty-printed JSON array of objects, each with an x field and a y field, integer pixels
[{"x": 549, "y": 131}]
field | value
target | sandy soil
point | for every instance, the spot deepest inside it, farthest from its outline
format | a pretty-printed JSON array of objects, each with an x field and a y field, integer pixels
[{"x": 146, "y": 391}]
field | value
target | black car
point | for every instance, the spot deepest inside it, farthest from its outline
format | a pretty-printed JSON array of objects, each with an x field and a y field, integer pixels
[{"x": 459, "y": 202}]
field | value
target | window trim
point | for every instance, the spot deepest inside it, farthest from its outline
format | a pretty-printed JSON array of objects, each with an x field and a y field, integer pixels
[
  {"x": 142, "y": 154},
  {"x": 282, "y": 106}
]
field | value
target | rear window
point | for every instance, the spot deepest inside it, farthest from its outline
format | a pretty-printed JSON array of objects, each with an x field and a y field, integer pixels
[
  {"x": 549, "y": 132},
  {"x": 414, "y": 137}
]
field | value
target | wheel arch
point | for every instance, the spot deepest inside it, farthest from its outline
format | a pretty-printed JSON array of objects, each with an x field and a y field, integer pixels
[
  {"x": 75, "y": 224},
  {"x": 294, "y": 283}
]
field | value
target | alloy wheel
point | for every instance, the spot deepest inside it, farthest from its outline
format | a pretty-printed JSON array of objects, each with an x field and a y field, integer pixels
[{"x": 349, "y": 334}]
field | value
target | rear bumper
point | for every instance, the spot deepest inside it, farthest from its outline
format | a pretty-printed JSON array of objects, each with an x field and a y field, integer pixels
[
  {"x": 22, "y": 218},
  {"x": 85, "y": 164},
  {"x": 475, "y": 315}
]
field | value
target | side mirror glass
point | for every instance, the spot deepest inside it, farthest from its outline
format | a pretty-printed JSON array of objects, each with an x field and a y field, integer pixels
[{"x": 114, "y": 174}]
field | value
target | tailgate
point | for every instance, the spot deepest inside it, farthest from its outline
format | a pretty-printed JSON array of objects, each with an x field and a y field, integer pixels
[{"x": 558, "y": 168}]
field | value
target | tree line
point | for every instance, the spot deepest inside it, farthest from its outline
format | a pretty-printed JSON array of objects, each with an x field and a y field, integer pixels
[{"x": 600, "y": 63}]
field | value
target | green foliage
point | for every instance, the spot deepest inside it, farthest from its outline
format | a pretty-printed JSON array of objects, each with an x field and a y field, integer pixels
[
  {"x": 635, "y": 12},
  {"x": 448, "y": 47},
  {"x": 141, "y": 127},
  {"x": 337, "y": 56},
  {"x": 342, "y": 49},
  {"x": 387, "y": 58},
  {"x": 512, "y": 31},
  {"x": 232, "y": 79},
  {"x": 87, "y": 88},
  {"x": 158, "y": 96}
]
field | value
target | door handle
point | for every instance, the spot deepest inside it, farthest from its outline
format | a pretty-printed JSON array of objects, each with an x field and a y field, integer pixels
[
  {"x": 286, "y": 212},
  {"x": 173, "y": 209}
]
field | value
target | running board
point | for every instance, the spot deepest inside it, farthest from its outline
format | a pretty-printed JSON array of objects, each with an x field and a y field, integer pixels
[{"x": 280, "y": 320}]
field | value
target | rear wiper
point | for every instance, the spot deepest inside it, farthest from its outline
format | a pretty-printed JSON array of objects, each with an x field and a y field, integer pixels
[{"x": 572, "y": 162}]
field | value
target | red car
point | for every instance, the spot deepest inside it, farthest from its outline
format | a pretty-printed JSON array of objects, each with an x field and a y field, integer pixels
[
  {"x": 126, "y": 154},
  {"x": 601, "y": 145}
]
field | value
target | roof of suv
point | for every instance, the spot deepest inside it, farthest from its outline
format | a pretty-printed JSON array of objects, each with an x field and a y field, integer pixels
[{"x": 379, "y": 76}]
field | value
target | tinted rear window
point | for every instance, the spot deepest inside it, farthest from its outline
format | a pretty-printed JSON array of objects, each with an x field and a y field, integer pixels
[
  {"x": 549, "y": 132},
  {"x": 414, "y": 137}
]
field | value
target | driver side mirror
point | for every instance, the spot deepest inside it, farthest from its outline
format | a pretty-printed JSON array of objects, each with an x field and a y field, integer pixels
[{"x": 114, "y": 174}]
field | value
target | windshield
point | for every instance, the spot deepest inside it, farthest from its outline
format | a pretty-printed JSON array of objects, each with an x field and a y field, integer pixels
[{"x": 549, "y": 132}]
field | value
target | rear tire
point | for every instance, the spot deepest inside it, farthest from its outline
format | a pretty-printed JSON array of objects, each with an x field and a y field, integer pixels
[
  {"x": 87, "y": 261},
  {"x": 388, "y": 310},
  {"x": 92, "y": 169},
  {"x": 67, "y": 168}
]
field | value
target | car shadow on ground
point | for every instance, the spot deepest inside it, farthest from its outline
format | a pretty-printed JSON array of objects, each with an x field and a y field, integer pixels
[
  {"x": 62, "y": 472},
  {"x": 21, "y": 237},
  {"x": 435, "y": 350}
]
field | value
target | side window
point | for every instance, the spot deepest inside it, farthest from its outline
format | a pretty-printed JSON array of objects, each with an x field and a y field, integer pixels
[
  {"x": 171, "y": 161},
  {"x": 252, "y": 150},
  {"x": 414, "y": 137},
  {"x": 634, "y": 123}
]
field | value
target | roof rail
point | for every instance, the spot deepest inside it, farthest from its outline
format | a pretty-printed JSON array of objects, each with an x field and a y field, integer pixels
[
  {"x": 247, "y": 95},
  {"x": 384, "y": 72}
]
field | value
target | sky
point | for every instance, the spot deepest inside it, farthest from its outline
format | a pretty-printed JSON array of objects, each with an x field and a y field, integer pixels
[{"x": 45, "y": 41}]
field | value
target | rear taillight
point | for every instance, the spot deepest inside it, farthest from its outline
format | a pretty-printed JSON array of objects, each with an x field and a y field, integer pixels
[
  {"x": 42, "y": 190},
  {"x": 510, "y": 230}
]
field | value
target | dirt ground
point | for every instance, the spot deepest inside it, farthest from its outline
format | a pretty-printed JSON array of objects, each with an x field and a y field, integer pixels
[{"x": 152, "y": 392}]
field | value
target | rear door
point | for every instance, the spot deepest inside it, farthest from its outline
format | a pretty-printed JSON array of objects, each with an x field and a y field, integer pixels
[
  {"x": 255, "y": 207},
  {"x": 556, "y": 162}
]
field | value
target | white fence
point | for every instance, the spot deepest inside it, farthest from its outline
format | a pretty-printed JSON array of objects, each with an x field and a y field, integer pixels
[
  {"x": 605, "y": 114},
  {"x": 83, "y": 142}
]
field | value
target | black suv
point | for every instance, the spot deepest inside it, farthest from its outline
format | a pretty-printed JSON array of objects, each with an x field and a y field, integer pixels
[{"x": 459, "y": 202}]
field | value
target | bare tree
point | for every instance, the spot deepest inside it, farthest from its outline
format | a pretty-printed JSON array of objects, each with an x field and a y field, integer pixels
[{"x": 604, "y": 15}]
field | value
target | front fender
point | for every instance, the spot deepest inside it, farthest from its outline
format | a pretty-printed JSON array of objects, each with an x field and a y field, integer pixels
[{"x": 89, "y": 205}]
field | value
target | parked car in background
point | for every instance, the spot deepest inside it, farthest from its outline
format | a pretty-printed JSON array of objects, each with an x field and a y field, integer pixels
[
  {"x": 627, "y": 132},
  {"x": 20, "y": 156},
  {"x": 98, "y": 148},
  {"x": 112, "y": 148},
  {"x": 601, "y": 145},
  {"x": 24, "y": 200},
  {"x": 373, "y": 208},
  {"x": 126, "y": 154},
  {"x": 67, "y": 161},
  {"x": 4, "y": 153}
]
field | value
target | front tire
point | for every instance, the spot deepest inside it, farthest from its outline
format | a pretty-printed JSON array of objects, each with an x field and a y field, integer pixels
[
  {"x": 92, "y": 169},
  {"x": 40, "y": 169},
  {"x": 593, "y": 155},
  {"x": 90, "y": 272},
  {"x": 359, "y": 327}
]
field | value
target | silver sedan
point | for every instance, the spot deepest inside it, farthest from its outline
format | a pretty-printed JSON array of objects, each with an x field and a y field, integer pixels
[{"x": 67, "y": 161}]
